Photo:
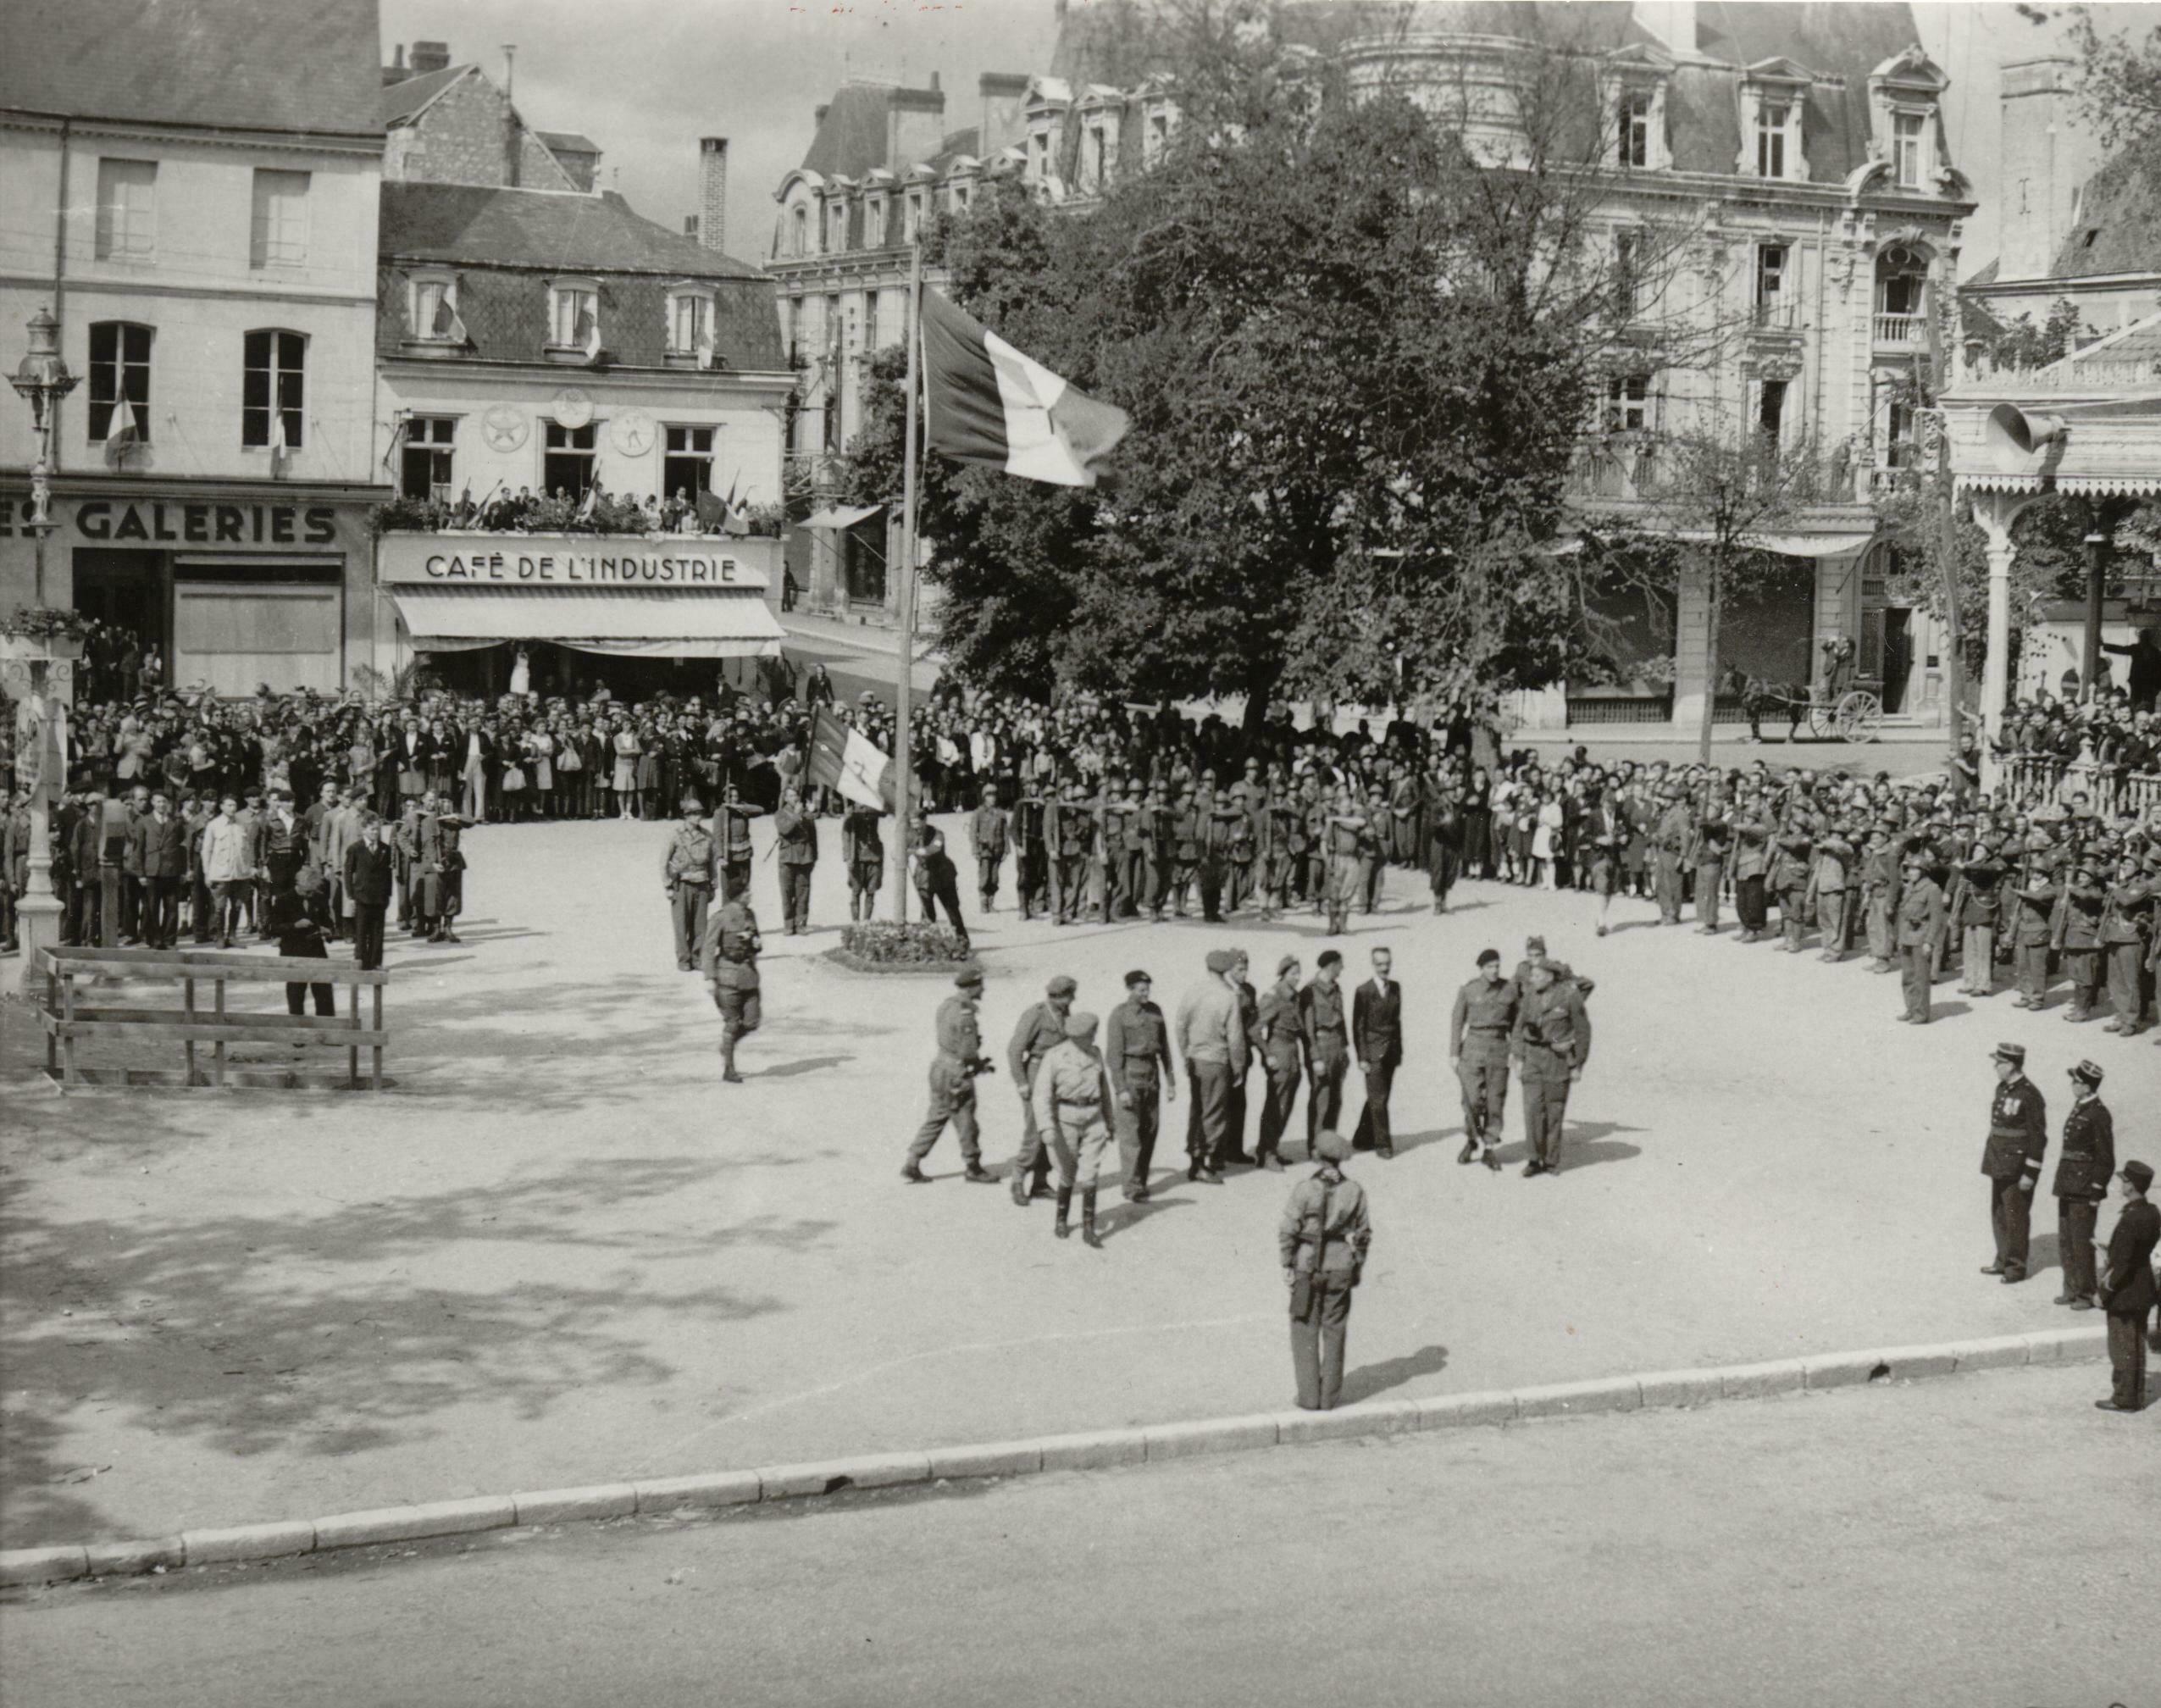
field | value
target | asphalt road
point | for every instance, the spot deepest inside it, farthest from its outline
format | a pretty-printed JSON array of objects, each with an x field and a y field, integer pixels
[{"x": 1984, "y": 1539}]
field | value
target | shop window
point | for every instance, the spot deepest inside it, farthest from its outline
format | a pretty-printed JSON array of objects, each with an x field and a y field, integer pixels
[
  {"x": 686, "y": 465},
  {"x": 274, "y": 390},
  {"x": 427, "y": 457},
  {"x": 567, "y": 459},
  {"x": 278, "y": 235},
  {"x": 127, "y": 209},
  {"x": 120, "y": 367}
]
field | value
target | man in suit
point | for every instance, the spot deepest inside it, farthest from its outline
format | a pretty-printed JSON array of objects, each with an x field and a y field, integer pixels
[
  {"x": 1551, "y": 1043},
  {"x": 2127, "y": 1289},
  {"x": 158, "y": 856},
  {"x": 371, "y": 872},
  {"x": 2083, "y": 1168},
  {"x": 1376, "y": 1039},
  {"x": 2018, "y": 1137}
]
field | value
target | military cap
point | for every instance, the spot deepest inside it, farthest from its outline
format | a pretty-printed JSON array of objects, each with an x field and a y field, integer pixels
[
  {"x": 2139, "y": 1175},
  {"x": 2015, "y": 1054},
  {"x": 1080, "y": 1024},
  {"x": 1285, "y": 965},
  {"x": 1331, "y": 1147},
  {"x": 1062, "y": 985},
  {"x": 1136, "y": 977},
  {"x": 969, "y": 979},
  {"x": 1536, "y": 943},
  {"x": 1219, "y": 961},
  {"x": 692, "y": 804},
  {"x": 1489, "y": 957},
  {"x": 2088, "y": 1074}
]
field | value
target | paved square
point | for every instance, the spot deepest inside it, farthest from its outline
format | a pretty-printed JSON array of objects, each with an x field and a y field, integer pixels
[{"x": 561, "y": 1252}]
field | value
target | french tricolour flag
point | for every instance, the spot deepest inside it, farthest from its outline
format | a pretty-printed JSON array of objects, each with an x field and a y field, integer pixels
[{"x": 984, "y": 402}]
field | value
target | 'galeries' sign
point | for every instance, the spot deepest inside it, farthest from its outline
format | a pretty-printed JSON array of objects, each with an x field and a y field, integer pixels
[{"x": 560, "y": 560}]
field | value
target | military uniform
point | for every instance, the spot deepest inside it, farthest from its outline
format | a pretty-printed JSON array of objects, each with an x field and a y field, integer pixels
[
  {"x": 1072, "y": 1103},
  {"x": 1551, "y": 1044},
  {"x": 2076, "y": 934},
  {"x": 1188, "y": 844},
  {"x": 1981, "y": 887},
  {"x": 1669, "y": 845},
  {"x": 2128, "y": 1291},
  {"x": 2018, "y": 1136},
  {"x": 1326, "y": 1232},
  {"x": 1920, "y": 931},
  {"x": 1479, "y": 1031},
  {"x": 1327, "y": 1055},
  {"x": 729, "y": 954},
  {"x": 2084, "y": 1169},
  {"x": 1137, "y": 1055},
  {"x": 1834, "y": 855},
  {"x": 1031, "y": 859},
  {"x": 863, "y": 849},
  {"x": 2031, "y": 929},
  {"x": 796, "y": 831},
  {"x": 989, "y": 831},
  {"x": 1346, "y": 841},
  {"x": 2123, "y": 919},
  {"x": 1789, "y": 881},
  {"x": 1039, "y": 1028},
  {"x": 686, "y": 869},
  {"x": 1279, "y": 1040},
  {"x": 953, "y": 1069},
  {"x": 1707, "y": 853}
]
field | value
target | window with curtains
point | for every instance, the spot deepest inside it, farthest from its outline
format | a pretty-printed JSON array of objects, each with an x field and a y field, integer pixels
[
  {"x": 273, "y": 388},
  {"x": 429, "y": 458},
  {"x": 574, "y": 315},
  {"x": 278, "y": 235},
  {"x": 690, "y": 322},
  {"x": 1906, "y": 149},
  {"x": 120, "y": 367},
  {"x": 127, "y": 209}
]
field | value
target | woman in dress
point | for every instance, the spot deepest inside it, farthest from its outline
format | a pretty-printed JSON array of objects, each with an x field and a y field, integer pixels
[
  {"x": 1545, "y": 841},
  {"x": 648, "y": 774},
  {"x": 539, "y": 747},
  {"x": 624, "y": 744}
]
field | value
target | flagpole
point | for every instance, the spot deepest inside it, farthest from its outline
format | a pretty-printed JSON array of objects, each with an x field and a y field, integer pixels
[{"x": 903, "y": 760}]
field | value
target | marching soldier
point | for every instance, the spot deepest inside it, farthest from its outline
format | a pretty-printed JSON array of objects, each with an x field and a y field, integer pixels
[
  {"x": 1038, "y": 1029},
  {"x": 953, "y": 1070},
  {"x": 1551, "y": 1043},
  {"x": 795, "y": 833},
  {"x": 1921, "y": 933},
  {"x": 731, "y": 835},
  {"x": 729, "y": 952},
  {"x": 1279, "y": 1040},
  {"x": 686, "y": 872},
  {"x": 1072, "y": 1102},
  {"x": 862, "y": 847},
  {"x": 1323, "y": 1239},
  {"x": 1137, "y": 1052},
  {"x": 2127, "y": 1288},
  {"x": 2018, "y": 1136},
  {"x": 2083, "y": 1170},
  {"x": 989, "y": 831},
  {"x": 1479, "y": 1031}
]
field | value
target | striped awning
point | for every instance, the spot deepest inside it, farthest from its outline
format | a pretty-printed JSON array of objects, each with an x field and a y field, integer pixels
[{"x": 732, "y": 623}]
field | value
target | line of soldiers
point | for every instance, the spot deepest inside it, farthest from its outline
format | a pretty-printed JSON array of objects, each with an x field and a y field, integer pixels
[
  {"x": 704, "y": 856},
  {"x": 2050, "y": 897},
  {"x": 1076, "y": 1098}
]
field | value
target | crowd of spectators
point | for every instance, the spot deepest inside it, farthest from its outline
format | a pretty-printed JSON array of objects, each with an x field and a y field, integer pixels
[{"x": 597, "y": 511}]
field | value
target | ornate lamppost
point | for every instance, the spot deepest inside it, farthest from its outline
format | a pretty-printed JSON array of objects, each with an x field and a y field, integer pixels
[{"x": 36, "y": 645}]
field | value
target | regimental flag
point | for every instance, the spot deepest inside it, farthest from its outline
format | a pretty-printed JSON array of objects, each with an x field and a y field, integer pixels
[
  {"x": 280, "y": 451},
  {"x": 984, "y": 402},
  {"x": 587, "y": 334},
  {"x": 123, "y": 433},
  {"x": 448, "y": 324},
  {"x": 592, "y": 503},
  {"x": 842, "y": 757},
  {"x": 396, "y": 444}
]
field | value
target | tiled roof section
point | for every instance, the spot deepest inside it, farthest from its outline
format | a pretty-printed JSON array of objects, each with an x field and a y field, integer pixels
[
  {"x": 1987, "y": 277},
  {"x": 568, "y": 141},
  {"x": 542, "y": 230},
  {"x": 505, "y": 316},
  {"x": 851, "y": 137},
  {"x": 2118, "y": 227},
  {"x": 951, "y": 149},
  {"x": 251, "y": 64},
  {"x": 403, "y": 100}
]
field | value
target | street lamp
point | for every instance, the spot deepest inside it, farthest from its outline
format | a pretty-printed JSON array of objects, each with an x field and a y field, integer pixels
[{"x": 43, "y": 379}]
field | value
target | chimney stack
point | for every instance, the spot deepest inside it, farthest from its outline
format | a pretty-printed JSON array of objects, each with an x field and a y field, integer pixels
[
  {"x": 431, "y": 56},
  {"x": 712, "y": 192},
  {"x": 394, "y": 72}
]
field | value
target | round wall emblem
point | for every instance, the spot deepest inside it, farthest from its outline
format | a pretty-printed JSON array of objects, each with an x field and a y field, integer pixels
[
  {"x": 573, "y": 409},
  {"x": 505, "y": 429},
  {"x": 633, "y": 433}
]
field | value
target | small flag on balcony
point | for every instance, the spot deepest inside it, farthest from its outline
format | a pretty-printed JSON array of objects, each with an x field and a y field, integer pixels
[
  {"x": 705, "y": 347},
  {"x": 279, "y": 450},
  {"x": 396, "y": 444},
  {"x": 588, "y": 334},
  {"x": 842, "y": 757},
  {"x": 592, "y": 500},
  {"x": 447, "y": 326},
  {"x": 984, "y": 402},
  {"x": 123, "y": 433}
]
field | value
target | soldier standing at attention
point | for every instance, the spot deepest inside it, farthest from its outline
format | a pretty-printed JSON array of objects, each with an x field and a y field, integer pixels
[
  {"x": 1551, "y": 1043},
  {"x": 2083, "y": 1169},
  {"x": 1327, "y": 1044},
  {"x": 1707, "y": 851},
  {"x": 796, "y": 834},
  {"x": 1279, "y": 1039},
  {"x": 1039, "y": 1028},
  {"x": 1670, "y": 845},
  {"x": 1879, "y": 896},
  {"x": 1979, "y": 902},
  {"x": 686, "y": 872},
  {"x": 1346, "y": 831},
  {"x": 2123, "y": 919},
  {"x": 1789, "y": 879},
  {"x": 953, "y": 1073},
  {"x": 1072, "y": 1105},
  {"x": 1479, "y": 1031},
  {"x": 1834, "y": 857},
  {"x": 1136, "y": 1054},
  {"x": 1031, "y": 862},
  {"x": 988, "y": 834},
  {"x": 1920, "y": 930},
  {"x": 1326, "y": 1232},
  {"x": 2018, "y": 1135},
  {"x": 2034, "y": 900},
  {"x": 2127, "y": 1288},
  {"x": 2075, "y": 934},
  {"x": 863, "y": 849},
  {"x": 731, "y": 835},
  {"x": 729, "y": 952}
]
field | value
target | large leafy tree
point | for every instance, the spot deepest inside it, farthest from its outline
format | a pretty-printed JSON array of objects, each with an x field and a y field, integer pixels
[{"x": 1357, "y": 356}]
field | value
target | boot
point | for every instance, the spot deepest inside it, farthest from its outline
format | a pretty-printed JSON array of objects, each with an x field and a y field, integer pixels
[
  {"x": 1020, "y": 1194},
  {"x": 1062, "y": 1228},
  {"x": 1088, "y": 1236},
  {"x": 727, "y": 1073}
]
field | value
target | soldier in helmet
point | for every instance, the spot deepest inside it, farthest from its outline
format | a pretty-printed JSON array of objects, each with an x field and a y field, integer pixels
[
  {"x": 1323, "y": 1239},
  {"x": 1072, "y": 1103},
  {"x": 729, "y": 954},
  {"x": 687, "y": 872}
]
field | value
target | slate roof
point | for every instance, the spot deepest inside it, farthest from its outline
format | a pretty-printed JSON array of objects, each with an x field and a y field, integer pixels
[
  {"x": 246, "y": 65},
  {"x": 568, "y": 143},
  {"x": 549, "y": 231},
  {"x": 403, "y": 100},
  {"x": 2118, "y": 227}
]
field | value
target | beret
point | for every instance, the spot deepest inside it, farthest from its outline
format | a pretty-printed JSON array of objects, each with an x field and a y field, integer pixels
[
  {"x": 969, "y": 979},
  {"x": 1221, "y": 960},
  {"x": 1062, "y": 985}
]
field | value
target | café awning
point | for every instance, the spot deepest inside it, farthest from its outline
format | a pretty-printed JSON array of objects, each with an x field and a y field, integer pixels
[
  {"x": 703, "y": 623},
  {"x": 842, "y": 515}
]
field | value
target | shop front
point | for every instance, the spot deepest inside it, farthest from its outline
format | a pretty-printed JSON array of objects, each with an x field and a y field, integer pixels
[
  {"x": 239, "y": 585},
  {"x": 564, "y": 614}
]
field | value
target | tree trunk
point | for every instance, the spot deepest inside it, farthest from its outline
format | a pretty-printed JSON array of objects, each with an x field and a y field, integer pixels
[
  {"x": 1717, "y": 570},
  {"x": 1259, "y": 696}
]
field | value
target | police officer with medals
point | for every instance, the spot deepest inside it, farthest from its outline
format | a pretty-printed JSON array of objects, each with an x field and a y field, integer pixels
[
  {"x": 2018, "y": 1135},
  {"x": 2083, "y": 1168}
]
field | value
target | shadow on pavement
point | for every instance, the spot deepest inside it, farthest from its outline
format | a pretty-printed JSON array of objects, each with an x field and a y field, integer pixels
[{"x": 1369, "y": 1379}]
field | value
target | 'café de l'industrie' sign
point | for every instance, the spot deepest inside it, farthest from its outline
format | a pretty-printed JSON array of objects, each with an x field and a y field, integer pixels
[{"x": 660, "y": 562}]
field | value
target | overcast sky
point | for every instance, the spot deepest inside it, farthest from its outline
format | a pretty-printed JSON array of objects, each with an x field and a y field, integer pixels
[{"x": 645, "y": 78}]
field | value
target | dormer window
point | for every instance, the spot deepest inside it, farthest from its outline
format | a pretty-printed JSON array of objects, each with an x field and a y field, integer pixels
[
  {"x": 1908, "y": 131},
  {"x": 836, "y": 226},
  {"x": 874, "y": 221},
  {"x": 690, "y": 322},
  {"x": 912, "y": 222},
  {"x": 800, "y": 244},
  {"x": 1774, "y": 97},
  {"x": 574, "y": 317},
  {"x": 1905, "y": 98},
  {"x": 1039, "y": 156},
  {"x": 434, "y": 310},
  {"x": 1095, "y": 157},
  {"x": 1774, "y": 119},
  {"x": 1634, "y": 138}
]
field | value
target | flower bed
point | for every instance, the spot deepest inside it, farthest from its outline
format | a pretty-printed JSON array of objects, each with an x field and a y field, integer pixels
[{"x": 883, "y": 947}]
